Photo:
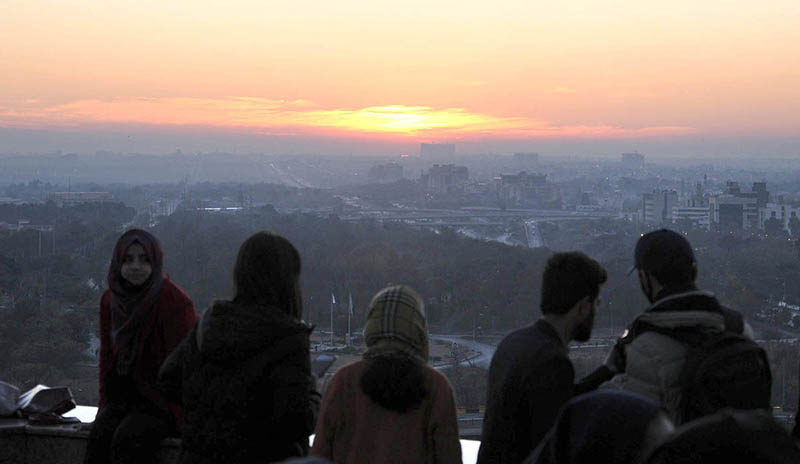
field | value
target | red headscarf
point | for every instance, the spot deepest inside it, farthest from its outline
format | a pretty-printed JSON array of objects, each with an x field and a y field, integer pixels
[{"x": 132, "y": 305}]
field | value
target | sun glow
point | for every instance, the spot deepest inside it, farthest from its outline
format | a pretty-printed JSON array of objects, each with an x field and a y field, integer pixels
[
  {"x": 265, "y": 116},
  {"x": 512, "y": 68}
]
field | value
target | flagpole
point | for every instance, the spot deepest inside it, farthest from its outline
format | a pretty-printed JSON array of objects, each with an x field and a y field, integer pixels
[
  {"x": 349, "y": 312},
  {"x": 332, "y": 300}
]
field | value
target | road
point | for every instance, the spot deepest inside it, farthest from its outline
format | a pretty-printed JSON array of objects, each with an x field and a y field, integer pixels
[{"x": 485, "y": 351}]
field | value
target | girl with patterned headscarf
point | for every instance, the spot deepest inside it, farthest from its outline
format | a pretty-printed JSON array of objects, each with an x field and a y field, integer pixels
[
  {"x": 390, "y": 406},
  {"x": 143, "y": 316}
]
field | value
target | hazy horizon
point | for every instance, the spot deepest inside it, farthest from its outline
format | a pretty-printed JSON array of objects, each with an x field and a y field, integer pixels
[{"x": 150, "y": 142}]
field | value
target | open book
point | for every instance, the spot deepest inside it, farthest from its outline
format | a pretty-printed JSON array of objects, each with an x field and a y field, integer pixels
[{"x": 40, "y": 399}]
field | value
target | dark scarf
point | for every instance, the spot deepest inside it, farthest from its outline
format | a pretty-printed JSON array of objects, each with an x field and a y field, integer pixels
[{"x": 132, "y": 306}]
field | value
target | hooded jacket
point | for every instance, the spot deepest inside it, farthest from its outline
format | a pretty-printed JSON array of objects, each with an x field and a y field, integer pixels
[
  {"x": 654, "y": 361},
  {"x": 244, "y": 378}
]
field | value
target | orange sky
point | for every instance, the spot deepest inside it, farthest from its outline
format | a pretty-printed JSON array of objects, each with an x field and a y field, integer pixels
[{"x": 424, "y": 70}]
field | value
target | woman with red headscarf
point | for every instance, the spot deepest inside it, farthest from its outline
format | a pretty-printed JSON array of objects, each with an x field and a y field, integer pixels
[{"x": 143, "y": 316}]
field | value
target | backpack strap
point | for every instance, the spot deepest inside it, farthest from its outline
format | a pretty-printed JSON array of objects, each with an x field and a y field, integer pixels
[{"x": 734, "y": 321}]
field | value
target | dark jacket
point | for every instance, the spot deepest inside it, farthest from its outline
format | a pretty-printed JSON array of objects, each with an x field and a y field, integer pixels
[
  {"x": 244, "y": 378},
  {"x": 530, "y": 378},
  {"x": 729, "y": 436},
  {"x": 796, "y": 430},
  {"x": 172, "y": 319}
]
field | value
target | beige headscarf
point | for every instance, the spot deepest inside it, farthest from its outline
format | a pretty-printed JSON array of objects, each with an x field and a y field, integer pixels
[{"x": 396, "y": 325}]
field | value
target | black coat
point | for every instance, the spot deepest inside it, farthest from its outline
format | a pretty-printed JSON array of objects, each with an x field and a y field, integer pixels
[
  {"x": 530, "y": 378},
  {"x": 244, "y": 378}
]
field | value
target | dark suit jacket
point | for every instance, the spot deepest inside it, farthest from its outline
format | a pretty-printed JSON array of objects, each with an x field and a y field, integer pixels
[{"x": 530, "y": 378}]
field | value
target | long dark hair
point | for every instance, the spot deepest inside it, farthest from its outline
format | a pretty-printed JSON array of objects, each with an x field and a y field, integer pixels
[
  {"x": 397, "y": 383},
  {"x": 267, "y": 273}
]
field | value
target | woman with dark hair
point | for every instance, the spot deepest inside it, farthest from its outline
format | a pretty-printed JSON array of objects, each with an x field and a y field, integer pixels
[
  {"x": 391, "y": 406},
  {"x": 244, "y": 373},
  {"x": 143, "y": 316}
]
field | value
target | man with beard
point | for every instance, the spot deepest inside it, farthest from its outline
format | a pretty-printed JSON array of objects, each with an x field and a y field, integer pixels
[{"x": 530, "y": 376}]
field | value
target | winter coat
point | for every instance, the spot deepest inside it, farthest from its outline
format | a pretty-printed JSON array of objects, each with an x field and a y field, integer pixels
[
  {"x": 530, "y": 378},
  {"x": 353, "y": 429},
  {"x": 244, "y": 378},
  {"x": 171, "y": 320},
  {"x": 654, "y": 361}
]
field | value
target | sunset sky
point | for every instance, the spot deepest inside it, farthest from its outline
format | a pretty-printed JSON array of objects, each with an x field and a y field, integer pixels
[{"x": 404, "y": 72}]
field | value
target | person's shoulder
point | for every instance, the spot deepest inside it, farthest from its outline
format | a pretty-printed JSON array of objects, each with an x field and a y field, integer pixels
[
  {"x": 348, "y": 372},
  {"x": 347, "y": 376},
  {"x": 171, "y": 292},
  {"x": 438, "y": 380},
  {"x": 525, "y": 335},
  {"x": 530, "y": 342}
]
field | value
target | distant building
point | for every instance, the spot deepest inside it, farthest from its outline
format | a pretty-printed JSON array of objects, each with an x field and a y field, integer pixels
[
  {"x": 736, "y": 210},
  {"x": 781, "y": 212},
  {"x": 633, "y": 160},
  {"x": 761, "y": 193},
  {"x": 24, "y": 224},
  {"x": 657, "y": 206},
  {"x": 698, "y": 217},
  {"x": 526, "y": 158},
  {"x": 698, "y": 199},
  {"x": 160, "y": 208},
  {"x": 526, "y": 189},
  {"x": 437, "y": 150},
  {"x": 733, "y": 212},
  {"x": 445, "y": 178},
  {"x": 74, "y": 198},
  {"x": 388, "y": 172}
]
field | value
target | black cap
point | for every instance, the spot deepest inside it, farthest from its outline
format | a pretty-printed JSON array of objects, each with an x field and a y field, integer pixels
[{"x": 662, "y": 250}]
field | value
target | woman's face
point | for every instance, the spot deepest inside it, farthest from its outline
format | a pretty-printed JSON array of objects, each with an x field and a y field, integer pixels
[{"x": 136, "y": 267}]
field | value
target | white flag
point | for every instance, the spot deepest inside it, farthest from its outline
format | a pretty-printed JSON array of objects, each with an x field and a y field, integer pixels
[
  {"x": 350, "y": 305},
  {"x": 333, "y": 299}
]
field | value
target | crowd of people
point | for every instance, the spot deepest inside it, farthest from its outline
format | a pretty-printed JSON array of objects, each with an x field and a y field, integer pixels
[{"x": 685, "y": 383}]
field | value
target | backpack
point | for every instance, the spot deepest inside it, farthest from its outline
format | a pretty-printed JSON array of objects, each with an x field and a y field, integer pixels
[{"x": 723, "y": 369}]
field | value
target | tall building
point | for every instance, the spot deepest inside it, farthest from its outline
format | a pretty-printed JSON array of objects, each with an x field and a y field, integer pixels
[
  {"x": 526, "y": 158},
  {"x": 445, "y": 178},
  {"x": 657, "y": 206},
  {"x": 762, "y": 195},
  {"x": 736, "y": 210},
  {"x": 437, "y": 150},
  {"x": 526, "y": 189},
  {"x": 633, "y": 160},
  {"x": 388, "y": 172},
  {"x": 733, "y": 212}
]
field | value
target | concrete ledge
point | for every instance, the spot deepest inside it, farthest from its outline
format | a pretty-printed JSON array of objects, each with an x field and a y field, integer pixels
[{"x": 22, "y": 443}]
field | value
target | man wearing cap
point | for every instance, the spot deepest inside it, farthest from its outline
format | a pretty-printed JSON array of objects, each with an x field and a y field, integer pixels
[{"x": 650, "y": 363}]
